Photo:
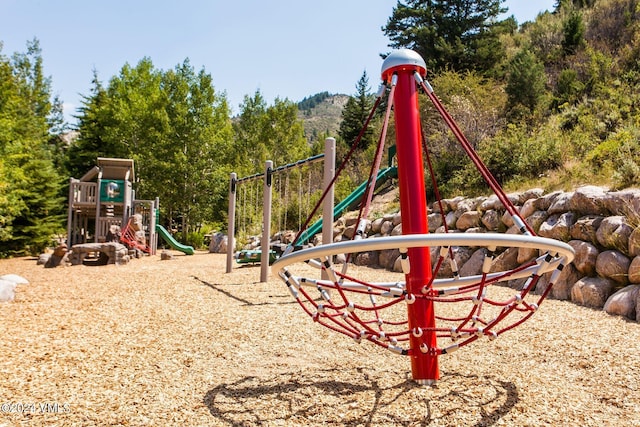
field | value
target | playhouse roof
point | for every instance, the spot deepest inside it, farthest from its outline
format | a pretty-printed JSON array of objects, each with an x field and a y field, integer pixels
[{"x": 112, "y": 168}]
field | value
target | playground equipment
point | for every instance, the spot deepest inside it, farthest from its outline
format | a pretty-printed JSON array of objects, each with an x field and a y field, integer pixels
[
  {"x": 254, "y": 256},
  {"x": 352, "y": 201},
  {"x": 188, "y": 250},
  {"x": 96, "y": 206},
  {"x": 129, "y": 237},
  {"x": 266, "y": 257},
  {"x": 425, "y": 315}
]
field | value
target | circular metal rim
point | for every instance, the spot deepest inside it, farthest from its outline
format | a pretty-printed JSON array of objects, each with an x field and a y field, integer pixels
[{"x": 489, "y": 240}]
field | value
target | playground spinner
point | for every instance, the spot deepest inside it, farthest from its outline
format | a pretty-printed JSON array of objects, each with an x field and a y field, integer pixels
[{"x": 434, "y": 310}]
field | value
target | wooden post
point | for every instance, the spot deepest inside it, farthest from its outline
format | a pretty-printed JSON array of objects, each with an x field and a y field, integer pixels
[
  {"x": 266, "y": 222},
  {"x": 231, "y": 221},
  {"x": 328, "y": 206}
]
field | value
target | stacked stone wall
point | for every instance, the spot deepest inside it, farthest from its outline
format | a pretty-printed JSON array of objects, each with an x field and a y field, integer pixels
[{"x": 602, "y": 226}]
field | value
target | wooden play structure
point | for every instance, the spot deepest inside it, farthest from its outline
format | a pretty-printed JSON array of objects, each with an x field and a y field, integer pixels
[{"x": 104, "y": 198}]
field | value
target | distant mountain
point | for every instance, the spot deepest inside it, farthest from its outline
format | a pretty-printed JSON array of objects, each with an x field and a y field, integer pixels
[{"x": 321, "y": 114}]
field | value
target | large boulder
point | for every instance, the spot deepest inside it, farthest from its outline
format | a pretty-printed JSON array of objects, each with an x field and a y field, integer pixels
[
  {"x": 544, "y": 202},
  {"x": 8, "y": 284},
  {"x": 376, "y": 225},
  {"x": 491, "y": 203},
  {"x": 634, "y": 242},
  {"x": 536, "y": 219},
  {"x": 557, "y": 226},
  {"x": 461, "y": 255},
  {"x": 586, "y": 256},
  {"x": 468, "y": 219},
  {"x": 585, "y": 228},
  {"x": 623, "y": 302},
  {"x": 369, "y": 258},
  {"x": 387, "y": 258},
  {"x": 622, "y": 202},
  {"x": 491, "y": 220},
  {"x": 451, "y": 219},
  {"x": 588, "y": 200},
  {"x": 613, "y": 265},
  {"x": 527, "y": 254},
  {"x": 43, "y": 258},
  {"x": 15, "y": 278},
  {"x": 614, "y": 233},
  {"x": 507, "y": 219},
  {"x": 592, "y": 291},
  {"x": 634, "y": 270},
  {"x": 219, "y": 243},
  {"x": 528, "y": 208},
  {"x": 7, "y": 290},
  {"x": 454, "y": 203},
  {"x": 58, "y": 256},
  {"x": 473, "y": 266},
  {"x": 110, "y": 253},
  {"x": 397, "y": 219},
  {"x": 386, "y": 228},
  {"x": 561, "y": 204},
  {"x": 564, "y": 283},
  {"x": 435, "y": 221},
  {"x": 506, "y": 261},
  {"x": 532, "y": 194}
]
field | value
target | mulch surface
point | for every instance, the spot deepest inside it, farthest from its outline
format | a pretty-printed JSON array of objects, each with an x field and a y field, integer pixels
[{"x": 181, "y": 343}]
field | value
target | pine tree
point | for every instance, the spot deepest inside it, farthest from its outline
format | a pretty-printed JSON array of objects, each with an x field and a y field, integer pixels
[
  {"x": 30, "y": 214},
  {"x": 573, "y": 29},
  {"x": 93, "y": 120},
  {"x": 355, "y": 113},
  {"x": 525, "y": 84},
  {"x": 450, "y": 34}
]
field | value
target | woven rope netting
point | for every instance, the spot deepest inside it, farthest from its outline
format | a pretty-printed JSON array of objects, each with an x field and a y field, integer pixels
[{"x": 466, "y": 308}]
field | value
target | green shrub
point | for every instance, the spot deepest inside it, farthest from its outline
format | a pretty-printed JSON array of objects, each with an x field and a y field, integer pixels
[
  {"x": 515, "y": 154},
  {"x": 619, "y": 153},
  {"x": 196, "y": 239}
]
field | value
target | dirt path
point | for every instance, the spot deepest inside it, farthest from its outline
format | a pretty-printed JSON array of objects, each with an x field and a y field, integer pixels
[{"x": 181, "y": 343}]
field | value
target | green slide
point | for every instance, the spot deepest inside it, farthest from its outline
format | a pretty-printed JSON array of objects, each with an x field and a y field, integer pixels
[
  {"x": 173, "y": 242},
  {"x": 351, "y": 202}
]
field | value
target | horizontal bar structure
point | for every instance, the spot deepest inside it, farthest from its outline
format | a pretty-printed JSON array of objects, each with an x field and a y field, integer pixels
[{"x": 309, "y": 160}]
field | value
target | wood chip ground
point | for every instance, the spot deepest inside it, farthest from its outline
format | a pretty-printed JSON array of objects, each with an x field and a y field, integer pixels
[{"x": 181, "y": 343}]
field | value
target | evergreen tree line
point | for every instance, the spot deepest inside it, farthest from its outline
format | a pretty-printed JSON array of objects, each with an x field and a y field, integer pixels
[
  {"x": 30, "y": 204},
  {"x": 175, "y": 126},
  {"x": 309, "y": 102},
  {"x": 550, "y": 102}
]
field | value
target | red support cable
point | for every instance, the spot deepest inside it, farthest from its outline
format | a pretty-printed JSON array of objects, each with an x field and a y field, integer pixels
[
  {"x": 340, "y": 168},
  {"x": 486, "y": 174}
]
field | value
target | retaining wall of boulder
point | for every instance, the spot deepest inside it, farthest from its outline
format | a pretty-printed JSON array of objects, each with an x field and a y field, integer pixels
[{"x": 602, "y": 226}]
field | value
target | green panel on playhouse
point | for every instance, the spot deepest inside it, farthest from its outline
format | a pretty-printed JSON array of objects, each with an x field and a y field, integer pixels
[{"x": 112, "y": 191}]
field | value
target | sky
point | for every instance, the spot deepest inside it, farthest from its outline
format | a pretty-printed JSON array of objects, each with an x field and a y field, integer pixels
[{"x": 289, "y": 49}]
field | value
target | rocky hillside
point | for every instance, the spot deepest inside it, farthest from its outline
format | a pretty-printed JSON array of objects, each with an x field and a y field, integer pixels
[{"x": 321, "y": 115}]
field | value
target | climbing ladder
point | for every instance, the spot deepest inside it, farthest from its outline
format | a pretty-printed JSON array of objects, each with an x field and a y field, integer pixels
[{"x": 128, "y": 237}]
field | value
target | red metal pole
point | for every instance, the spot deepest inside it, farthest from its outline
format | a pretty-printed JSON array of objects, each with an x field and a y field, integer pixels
[{"x": 413, "y": 205}]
